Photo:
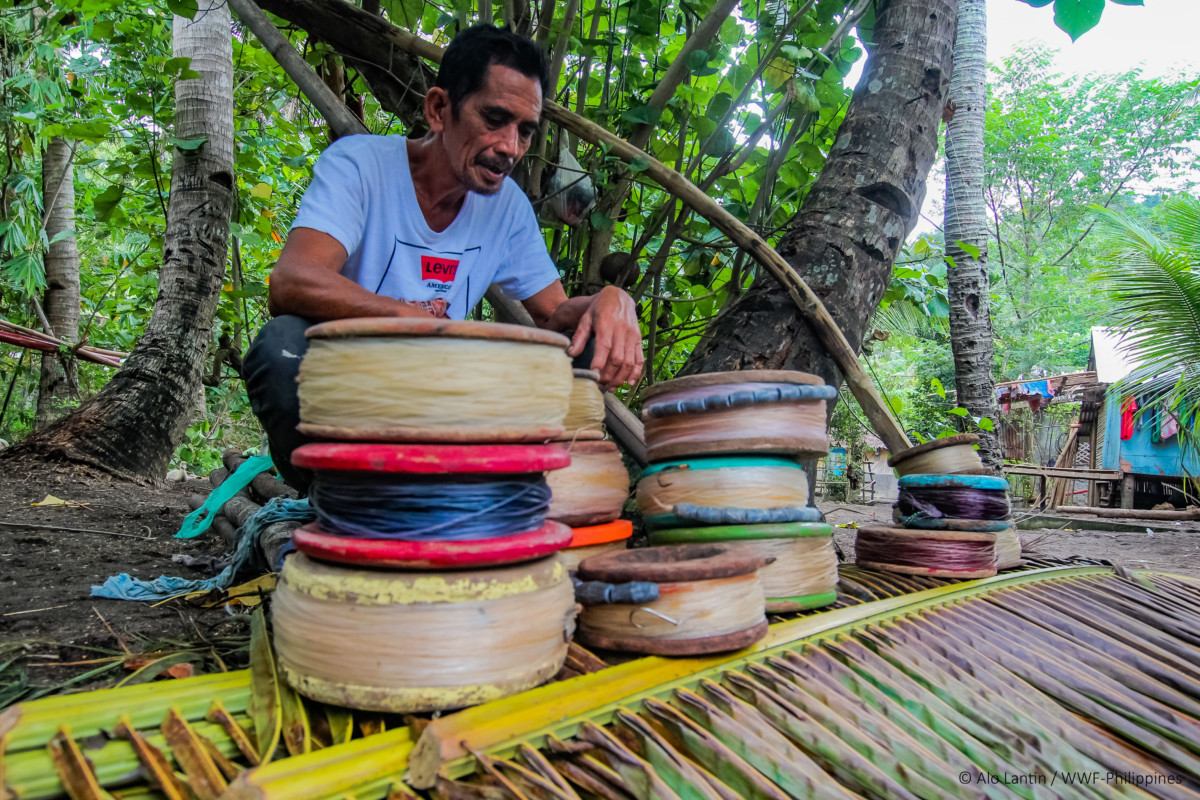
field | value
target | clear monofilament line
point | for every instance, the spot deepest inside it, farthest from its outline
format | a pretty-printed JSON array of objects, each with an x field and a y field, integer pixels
[{"x": 378, "y": 383}]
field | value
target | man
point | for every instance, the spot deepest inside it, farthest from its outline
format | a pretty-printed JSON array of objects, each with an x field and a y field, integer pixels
[{"x": 421, "y": 227}]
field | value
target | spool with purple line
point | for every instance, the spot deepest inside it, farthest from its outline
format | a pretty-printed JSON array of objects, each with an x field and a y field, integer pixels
[
  {"x": 941, "y": 554},
  {"x": 953, "y": 502}
]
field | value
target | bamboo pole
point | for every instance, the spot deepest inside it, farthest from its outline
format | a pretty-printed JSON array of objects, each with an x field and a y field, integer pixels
[
  {"x": 809, "y": 305},
  {"x": 1189, "y": 515}
]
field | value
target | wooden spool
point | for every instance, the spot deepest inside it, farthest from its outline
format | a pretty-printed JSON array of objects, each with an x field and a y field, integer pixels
[
  {"x": 921, "y": 484},
  {"x": 896, "y": 539},
  {"x": 790, "y": 427},
  {"x": 954, "y": 455},
  {"x": 595, "y": 540},
  {"x": 801, "y": 572},
  {"x": 756, "y": 482},
  {"x": 593, "y": 489},
  {"x": 585, "y": 414},
  {"x": 1008, "y": 548},
  {"x": 710, "y": 601},
  {"x": 408, "y": 642},
  {"x": 509, "y": 408},
  {"x": 312, "y": 540}
]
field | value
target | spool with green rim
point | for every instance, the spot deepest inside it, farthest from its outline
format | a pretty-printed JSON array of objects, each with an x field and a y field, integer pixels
[
  {"x": 726, "y": 490},
  {"x": 803, "y": 572}
]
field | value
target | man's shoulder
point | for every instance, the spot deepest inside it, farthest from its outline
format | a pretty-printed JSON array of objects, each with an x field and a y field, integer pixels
[{"x": 363, "y": 146}]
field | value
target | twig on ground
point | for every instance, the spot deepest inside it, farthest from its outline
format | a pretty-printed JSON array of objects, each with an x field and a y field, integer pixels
[
  {"x": 73, "y": 530},
  {"x": 33, "y": 610}
]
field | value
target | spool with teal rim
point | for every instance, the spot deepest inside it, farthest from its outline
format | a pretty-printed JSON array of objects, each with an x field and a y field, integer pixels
[
  {"x": 749, "y": 535},
  {"x": 987, "y": 483},
  {"x": 737, "y": 515}
]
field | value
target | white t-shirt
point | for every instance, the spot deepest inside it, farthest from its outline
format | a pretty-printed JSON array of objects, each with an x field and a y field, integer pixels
[{"x": 362, "y": 195}]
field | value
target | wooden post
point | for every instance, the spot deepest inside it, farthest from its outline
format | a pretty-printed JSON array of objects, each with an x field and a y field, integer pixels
[{"x": 1127, "y": 490}]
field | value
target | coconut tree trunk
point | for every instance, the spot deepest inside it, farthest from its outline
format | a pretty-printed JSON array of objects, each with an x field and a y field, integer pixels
[
  {"x": 965, "y": 226},
  {"x": 61, "y": 261},
  {"x": 132, "y": 426},
  {"x": 864, "y": 203}
]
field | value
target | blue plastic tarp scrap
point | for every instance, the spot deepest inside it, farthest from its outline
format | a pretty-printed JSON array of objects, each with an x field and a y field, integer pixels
[{"x": 245, "y": 554}]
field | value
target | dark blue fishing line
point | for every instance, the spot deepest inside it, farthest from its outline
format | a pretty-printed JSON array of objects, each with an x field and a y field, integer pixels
[
  {"x": 429, "y": 507},
  {"x": 953, "y": 502}
]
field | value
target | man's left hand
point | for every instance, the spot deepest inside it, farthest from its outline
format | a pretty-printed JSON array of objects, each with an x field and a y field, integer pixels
[{"x": 612, "y": 320}]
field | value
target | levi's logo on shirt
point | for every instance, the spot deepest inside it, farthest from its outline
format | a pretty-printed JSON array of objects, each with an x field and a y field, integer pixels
[{"x": 438, "y": 268}]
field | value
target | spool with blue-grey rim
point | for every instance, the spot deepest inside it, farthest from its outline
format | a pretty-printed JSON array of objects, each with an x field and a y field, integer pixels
[
  {"x": 801, "y": 564},
  {"x": 724, "y": 490},
  {"x": 748, "y": 411}
]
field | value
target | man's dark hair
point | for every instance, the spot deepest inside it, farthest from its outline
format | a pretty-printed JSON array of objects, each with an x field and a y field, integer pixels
[{"x": 465, "y": 64}]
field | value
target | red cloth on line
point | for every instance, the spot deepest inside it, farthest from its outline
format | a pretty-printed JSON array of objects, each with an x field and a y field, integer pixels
[{"x": 1127, "y": 409}]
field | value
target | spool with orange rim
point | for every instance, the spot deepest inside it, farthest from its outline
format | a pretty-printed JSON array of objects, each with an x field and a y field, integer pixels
[{"x": 596, "y": 539}]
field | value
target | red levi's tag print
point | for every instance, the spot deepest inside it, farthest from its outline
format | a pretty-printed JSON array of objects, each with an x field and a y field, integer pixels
[{"x": 438, "y": 268}]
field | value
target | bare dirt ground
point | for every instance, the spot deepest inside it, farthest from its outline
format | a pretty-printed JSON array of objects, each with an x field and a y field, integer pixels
[
  {"x": 1163, "y": 546},
  {"x": 47, "y": 614}
]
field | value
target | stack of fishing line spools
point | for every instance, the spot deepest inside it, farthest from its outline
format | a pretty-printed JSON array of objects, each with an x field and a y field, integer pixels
[
  {"x": 430, "y": 579},
  {"x": 723, "y": 489},
  {"x": 589, "y": 494},
  {"x": 955, "y": 518}
]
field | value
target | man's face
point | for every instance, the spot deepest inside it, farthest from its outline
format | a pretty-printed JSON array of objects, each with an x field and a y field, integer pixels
[{"x": 492, "y": 129}]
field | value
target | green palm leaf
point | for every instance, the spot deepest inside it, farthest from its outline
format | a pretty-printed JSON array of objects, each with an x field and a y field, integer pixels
[{"x": 1155, "y": 280}]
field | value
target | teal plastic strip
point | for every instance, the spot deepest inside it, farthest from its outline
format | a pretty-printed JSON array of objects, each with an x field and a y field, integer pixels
[
  {"x": 721, "y": 462},
  {"x": 202, "y": 518},
  {"x": 954, "y": 481}
]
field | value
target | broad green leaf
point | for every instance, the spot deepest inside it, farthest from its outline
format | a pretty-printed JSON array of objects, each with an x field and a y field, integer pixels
[
  {"x": 189, "y": 144},
  {"x": 642, "y": 115},
  {"x": 718, "y": 107},
  {"x": 261, "y": 190},
  {"x": 1077, "y": 17},
  {"x": 969, "y": 249},
  {"x": 985, "y": 423},
  {"x": 183, "y": 8},
  {"x": 697, "y": 60},
  {"x": 959, "y": 412},
  {"x": 938, "y": 388},
  {"x": 264, "y": 705},
  {"x": 92, "y": 131},
  {"x": 1037, "y": 3},
  {"x": 106, "y": 202}
]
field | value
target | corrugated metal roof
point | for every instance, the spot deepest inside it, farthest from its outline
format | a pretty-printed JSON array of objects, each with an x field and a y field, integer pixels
[{"x": 1111, "y": 352}]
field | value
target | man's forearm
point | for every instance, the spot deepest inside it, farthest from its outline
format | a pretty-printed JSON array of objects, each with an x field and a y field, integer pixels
[{"x": 319, "y": 295}]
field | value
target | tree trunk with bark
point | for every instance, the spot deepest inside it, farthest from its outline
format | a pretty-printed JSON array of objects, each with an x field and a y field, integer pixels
[
  {"x": 965, "y": 223},
  {"x": 844, "y": 240},
  {"x": 133, "y": 425},
  {"x": 61, "y": 300}
]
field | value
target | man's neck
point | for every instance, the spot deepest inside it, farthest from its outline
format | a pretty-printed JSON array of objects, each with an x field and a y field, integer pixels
[{"x": 439, "y": 194}]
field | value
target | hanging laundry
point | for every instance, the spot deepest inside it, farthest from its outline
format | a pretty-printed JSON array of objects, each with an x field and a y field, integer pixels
[
  {"x": 1170, "y": 425},
  {"x": 1128, "y": 408}
]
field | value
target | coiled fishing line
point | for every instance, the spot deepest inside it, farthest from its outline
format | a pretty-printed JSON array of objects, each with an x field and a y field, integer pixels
[
  {"x": 593, "y": 489},
  {"x": 585, "y": 414},
  {"x": 950, "y": 554},
  {"x": 732, "y": 412},
  {"x": 403, "y": 641},
  {"x": 433, "y": 389},
  {"x": 747, "y": 482},
  {"x": 1008, "y": 548},
  {"x": 411, "y": 507},
  {"x": 685, "y": 610},
  {"x": 954, "y": 455},
  {"x": 954, "y": 502}
]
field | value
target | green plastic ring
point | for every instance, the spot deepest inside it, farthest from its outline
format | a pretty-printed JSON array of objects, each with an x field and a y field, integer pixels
[
  {"x": 732, "y": 533},
  {"x": 801, "y": 603}
]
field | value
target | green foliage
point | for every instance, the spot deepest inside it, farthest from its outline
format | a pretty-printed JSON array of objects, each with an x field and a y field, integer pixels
[
  {"x": 1077, "y": 17},
  {"x": 1152, "y": 271}
]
